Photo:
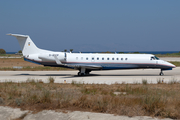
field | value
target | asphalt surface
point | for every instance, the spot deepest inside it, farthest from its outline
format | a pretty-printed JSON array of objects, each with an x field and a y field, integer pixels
[{"x": 97, "y": 77}]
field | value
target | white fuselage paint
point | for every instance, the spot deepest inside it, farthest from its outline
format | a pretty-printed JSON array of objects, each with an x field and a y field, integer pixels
[{"x": 108, "y": 61}]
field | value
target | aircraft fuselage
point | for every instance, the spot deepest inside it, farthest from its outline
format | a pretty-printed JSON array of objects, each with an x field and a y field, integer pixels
[{"x": 86, "y": 62}]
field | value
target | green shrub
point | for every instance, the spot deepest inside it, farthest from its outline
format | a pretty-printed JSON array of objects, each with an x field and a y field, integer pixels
[{"x": 2, "y": 51}]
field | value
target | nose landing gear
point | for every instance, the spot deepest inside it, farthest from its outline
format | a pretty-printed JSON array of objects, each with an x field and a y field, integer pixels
[{"x": 161, "y": 73}]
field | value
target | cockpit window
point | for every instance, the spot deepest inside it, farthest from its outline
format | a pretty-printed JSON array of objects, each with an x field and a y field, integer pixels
[{"x": 154, "y": 58}]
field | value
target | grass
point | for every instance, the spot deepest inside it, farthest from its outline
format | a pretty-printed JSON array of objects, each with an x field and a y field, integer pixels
[
  {"x": 173, "y": 81},
  {"x": 144, "y": 82},
  {"x": 8, "y": 64},
  {"x": 177, "y": 64},
  {"x": 157, "y": 100},
  {"x": 169, "y": 55},
  {"x": 39, "y": 68},
  {"x": 10, "y": 55},
  {"x": 51, "y": 79}
]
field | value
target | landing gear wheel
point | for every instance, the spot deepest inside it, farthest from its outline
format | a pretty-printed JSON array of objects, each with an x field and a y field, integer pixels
[
  {"x": 87, "y": 73},
  {"x": 161, "y": 73},
  {"x": 81, "y": 74}
]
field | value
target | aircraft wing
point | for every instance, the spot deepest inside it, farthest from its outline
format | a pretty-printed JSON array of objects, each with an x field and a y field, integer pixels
[{"x": 78, "y": 66}]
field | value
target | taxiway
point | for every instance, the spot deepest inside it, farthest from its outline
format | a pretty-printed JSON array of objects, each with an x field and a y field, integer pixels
[{"x": 96, "y": 77}]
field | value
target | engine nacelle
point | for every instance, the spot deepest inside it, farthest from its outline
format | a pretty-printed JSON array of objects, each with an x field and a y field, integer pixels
[{"x": 50, "y": 56}]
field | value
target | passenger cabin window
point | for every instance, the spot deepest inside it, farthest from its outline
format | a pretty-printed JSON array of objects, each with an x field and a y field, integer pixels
[
  {"x": 117, "y": 58},
  {"x": 87, "y": 58},
  {"x": 102, "y": 58},
  {"x": 126, "y": 59},
  {"x": 97, "y": 58},
  {"x": 92, "y": 58},
  {"x": 107, "y": 58},
  {"x": 112, "y": 58},
  {"x": 121, "y": 58}
]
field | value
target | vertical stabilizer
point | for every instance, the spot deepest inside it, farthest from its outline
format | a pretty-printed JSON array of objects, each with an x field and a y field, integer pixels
[{"x": 27, "y": 45}]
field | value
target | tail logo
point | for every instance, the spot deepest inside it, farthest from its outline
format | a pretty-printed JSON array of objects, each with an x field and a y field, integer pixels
[{"x": 29, "y": 43}]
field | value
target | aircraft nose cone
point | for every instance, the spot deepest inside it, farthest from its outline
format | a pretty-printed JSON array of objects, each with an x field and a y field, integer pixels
[
  {"x": 167, "y": 64},
  {"x": 170, "y": 64},
  {"x": 173, "y": 66}
]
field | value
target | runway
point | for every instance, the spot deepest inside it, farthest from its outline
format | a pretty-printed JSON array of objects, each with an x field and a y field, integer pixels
[{"x": 96, "y": 77}]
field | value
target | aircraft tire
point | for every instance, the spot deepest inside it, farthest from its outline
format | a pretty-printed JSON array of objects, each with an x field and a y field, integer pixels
[
  {"x": 87, "y": 73},
  {"x": 161, "y": 73},
  {"x": 79, "y": 73}
]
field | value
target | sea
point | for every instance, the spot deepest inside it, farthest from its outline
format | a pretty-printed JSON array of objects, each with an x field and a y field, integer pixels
[{"x": 146, "y": 52}]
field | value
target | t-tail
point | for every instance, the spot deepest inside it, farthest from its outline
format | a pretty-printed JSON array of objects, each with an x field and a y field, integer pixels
[
  {"x": 32, "y": 53},
  {"x": 27, "y": 45}
]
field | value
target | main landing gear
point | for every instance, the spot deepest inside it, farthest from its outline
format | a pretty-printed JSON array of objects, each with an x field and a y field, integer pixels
[
  {"x": 83, "y": 72},
  {"x": 161, "y": 73}
]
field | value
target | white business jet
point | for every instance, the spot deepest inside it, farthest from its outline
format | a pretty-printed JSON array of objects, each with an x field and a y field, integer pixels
[{"x": 87, "y": 62}]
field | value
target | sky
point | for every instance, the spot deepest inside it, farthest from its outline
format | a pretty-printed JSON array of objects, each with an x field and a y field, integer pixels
[{"x": 92, "y": 25}]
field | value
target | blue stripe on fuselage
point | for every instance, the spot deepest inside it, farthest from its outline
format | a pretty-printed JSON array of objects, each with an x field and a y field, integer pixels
[
  {"x": 166, "y": 69},
  {"x": 31, "y": 61}
]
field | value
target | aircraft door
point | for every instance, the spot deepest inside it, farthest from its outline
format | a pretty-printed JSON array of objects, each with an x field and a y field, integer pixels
[
  {"x": 65, "y": 56},
  {"x": 156, "y": 62}
]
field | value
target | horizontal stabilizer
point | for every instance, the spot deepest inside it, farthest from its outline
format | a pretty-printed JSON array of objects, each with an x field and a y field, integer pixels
[{"x": 17, "y": 35}]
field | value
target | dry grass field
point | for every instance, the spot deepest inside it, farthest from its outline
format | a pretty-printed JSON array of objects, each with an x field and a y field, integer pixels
[
  {"x": 158, "y": 100},
  {"x": 10, "y": 63}
]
